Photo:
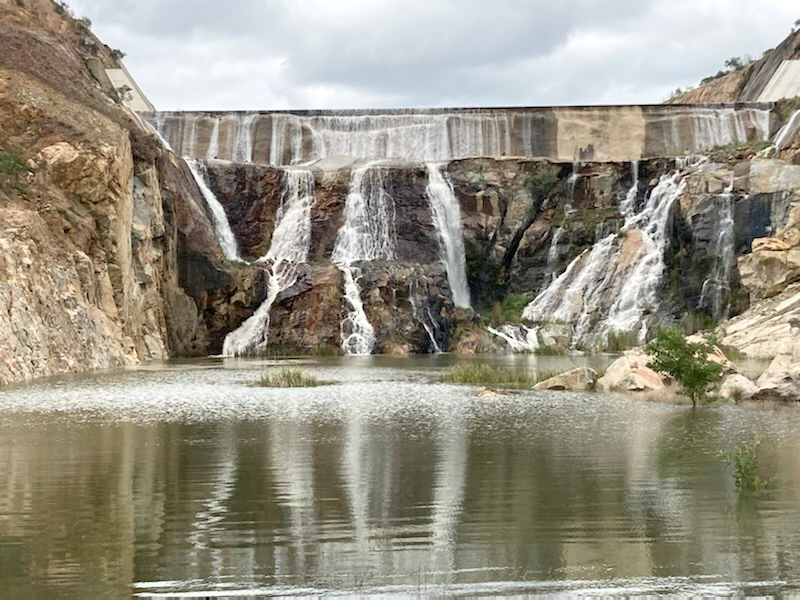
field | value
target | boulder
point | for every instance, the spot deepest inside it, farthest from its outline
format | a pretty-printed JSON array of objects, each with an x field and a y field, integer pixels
[
  {"x": 576, "y": 380},
  {"x": 781, "y": 380},
  {"x": 716, "y": 355},
  {"x": 491, "y": 393},
  {"x": 556, "y": 336},
  {"x": 736, "y": 388},
  {"x": 766, "y": 273},
  {"x": 630, "y": 373}
]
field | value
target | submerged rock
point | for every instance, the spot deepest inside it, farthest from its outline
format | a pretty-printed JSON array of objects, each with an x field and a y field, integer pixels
[{"x": 577, "y": 380}]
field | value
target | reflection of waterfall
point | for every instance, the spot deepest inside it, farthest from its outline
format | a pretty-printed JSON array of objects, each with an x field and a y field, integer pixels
[
  {"x": 227, "y": 240},
  {"x": 216, "y": 499},
  {"x": 367, "y": 234},
  {"x": 451, "y": 471},
  {"x": 716, "y": 293},
  {"x": 289, "y": 247},
  {"x": 292, "y": 464},
  {"x": 446, "y": 216},
  {"x": 615, "y": 285}
]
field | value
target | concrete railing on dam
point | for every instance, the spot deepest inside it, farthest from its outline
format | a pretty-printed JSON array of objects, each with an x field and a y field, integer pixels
[{"x": 591, "y": 133}]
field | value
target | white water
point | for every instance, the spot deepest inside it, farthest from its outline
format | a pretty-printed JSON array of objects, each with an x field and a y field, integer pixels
[
  {"x": 716, "y": 292},
  {"x": 288, "y": 248},
  {"x": 213, "y": 142},
  {"x": 424, "y": 316},
  {"x": 552, "y": 256},
  {"x": 581, "y": 294},
  {"x": 787, "y": 132},
  {"x": 518, "y": 337},
  {"x": 430, "y": 136},
  {"x": 358, "y": 335},
  {"x": 367, "y": 234},
  {"x": 227, "y": 240},
  {"x": 446, "y": 216},
  {"x": 640, "y": 288}
]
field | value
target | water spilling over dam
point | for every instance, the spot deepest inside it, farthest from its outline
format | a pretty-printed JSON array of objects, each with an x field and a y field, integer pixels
[{"x": 606, "y": 133}]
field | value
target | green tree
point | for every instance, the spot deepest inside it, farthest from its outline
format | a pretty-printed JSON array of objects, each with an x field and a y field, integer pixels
[
  {"x": 734, "y": 63},
  {"x": 684, "y": 361}
]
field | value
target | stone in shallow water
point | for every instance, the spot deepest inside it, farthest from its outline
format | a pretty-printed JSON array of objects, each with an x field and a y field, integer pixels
[
  {"x": 577, "y": 380},
  {"x": 630, "y": 373},
  {"x": 737, "y": 387}
]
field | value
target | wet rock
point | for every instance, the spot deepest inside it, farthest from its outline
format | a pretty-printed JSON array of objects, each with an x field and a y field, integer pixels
[{"x": 576, "y": 380}]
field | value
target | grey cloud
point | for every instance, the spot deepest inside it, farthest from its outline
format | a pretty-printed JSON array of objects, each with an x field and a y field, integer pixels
[{"x": 358, "y": 53}]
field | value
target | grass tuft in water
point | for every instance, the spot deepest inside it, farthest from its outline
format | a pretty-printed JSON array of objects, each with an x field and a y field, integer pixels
[
  {"x": 744, "y": 459},
  {"x": 289, "y": 378},
  {"x": 489, "y": 376}
]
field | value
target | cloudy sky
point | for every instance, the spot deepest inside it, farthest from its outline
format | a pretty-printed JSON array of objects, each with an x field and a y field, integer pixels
[{"x": 277, "y": 54}]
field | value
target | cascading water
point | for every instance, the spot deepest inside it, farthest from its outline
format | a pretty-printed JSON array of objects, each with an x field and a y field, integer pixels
[
  {"x": 639, "y": 292},
  {"x": 446, "y": 216},
  {"x": 788, "y": 132},
  {"x": 518, "y": 337},
  {"x": 422, "y": 314},
  {"x": 367, "y": 234},
  {"x": 552, "y": 256},
  {"x": 614, "y": 268},
  {"x": 227, "y": 240},
  {"x": 439, "y": 135},
  {"x": 715, "y": 296},
  {"x": 288, "y": 248}
]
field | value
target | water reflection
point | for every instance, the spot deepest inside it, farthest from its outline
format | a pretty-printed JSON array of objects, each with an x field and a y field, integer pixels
[{"x": 386, "y": 482}]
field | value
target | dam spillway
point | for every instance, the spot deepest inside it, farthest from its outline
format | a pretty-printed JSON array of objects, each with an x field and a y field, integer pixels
[{"x": 601, "y": 134}]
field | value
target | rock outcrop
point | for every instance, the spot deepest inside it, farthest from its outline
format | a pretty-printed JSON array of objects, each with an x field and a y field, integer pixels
[
  {"x": 630, "y": 373},
  {"x": 781, "y": 380},
  {"x": 577, "y": 380}
]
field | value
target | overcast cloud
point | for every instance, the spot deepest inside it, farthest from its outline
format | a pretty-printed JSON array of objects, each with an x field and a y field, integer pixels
[{"x": 278, "y": 54}]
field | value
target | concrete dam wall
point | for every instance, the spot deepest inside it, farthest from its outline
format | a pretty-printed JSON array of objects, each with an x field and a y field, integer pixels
[{"x": 602, "y": 134}]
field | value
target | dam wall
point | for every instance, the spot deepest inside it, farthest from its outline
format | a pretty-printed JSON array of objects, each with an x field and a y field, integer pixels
[{"x": 600, "y": 134}]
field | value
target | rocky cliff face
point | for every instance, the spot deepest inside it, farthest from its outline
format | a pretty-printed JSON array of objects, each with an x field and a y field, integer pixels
[
  {"x": 110, "y": 252},
  {"x": 96, "y": 215}
]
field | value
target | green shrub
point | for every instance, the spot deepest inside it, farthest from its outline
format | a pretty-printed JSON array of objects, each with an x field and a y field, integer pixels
[
  {"x": 488, "y": 376},
  {"x": 509, "y": 310},
  {"x": 12, "y": 170},
  {"x": 619, "y": 341},
  {"x": 684, "y": 361},
  {"x": 117, "y": 54},
  {"x": 744, "y": 458},
  {"x": 288, "y": 378}
]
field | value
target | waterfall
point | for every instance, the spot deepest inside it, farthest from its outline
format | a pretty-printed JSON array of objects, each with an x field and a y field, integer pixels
[
  {"x": 243, "y": 143},
  {"x": 518, "y": 337},
  {"x": 442, "y": 135},
  {"x": 716, "y": 292},
  {"x": 358, "y": 335},
  {"x": 640, "y": 289},
  {"x": 422, "y": 313},
  {"x": 446, "y": 217},
  {"x": 787, "y": 133},
  {"x": 552, "y": 256},
  {"x": 227, "y": 240},
  {"x": 615, "y": 278},
  {"x": 213, "y": 142},
  {"x": 367, "y": 234},
  {"x": 288, "y": 248}
]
